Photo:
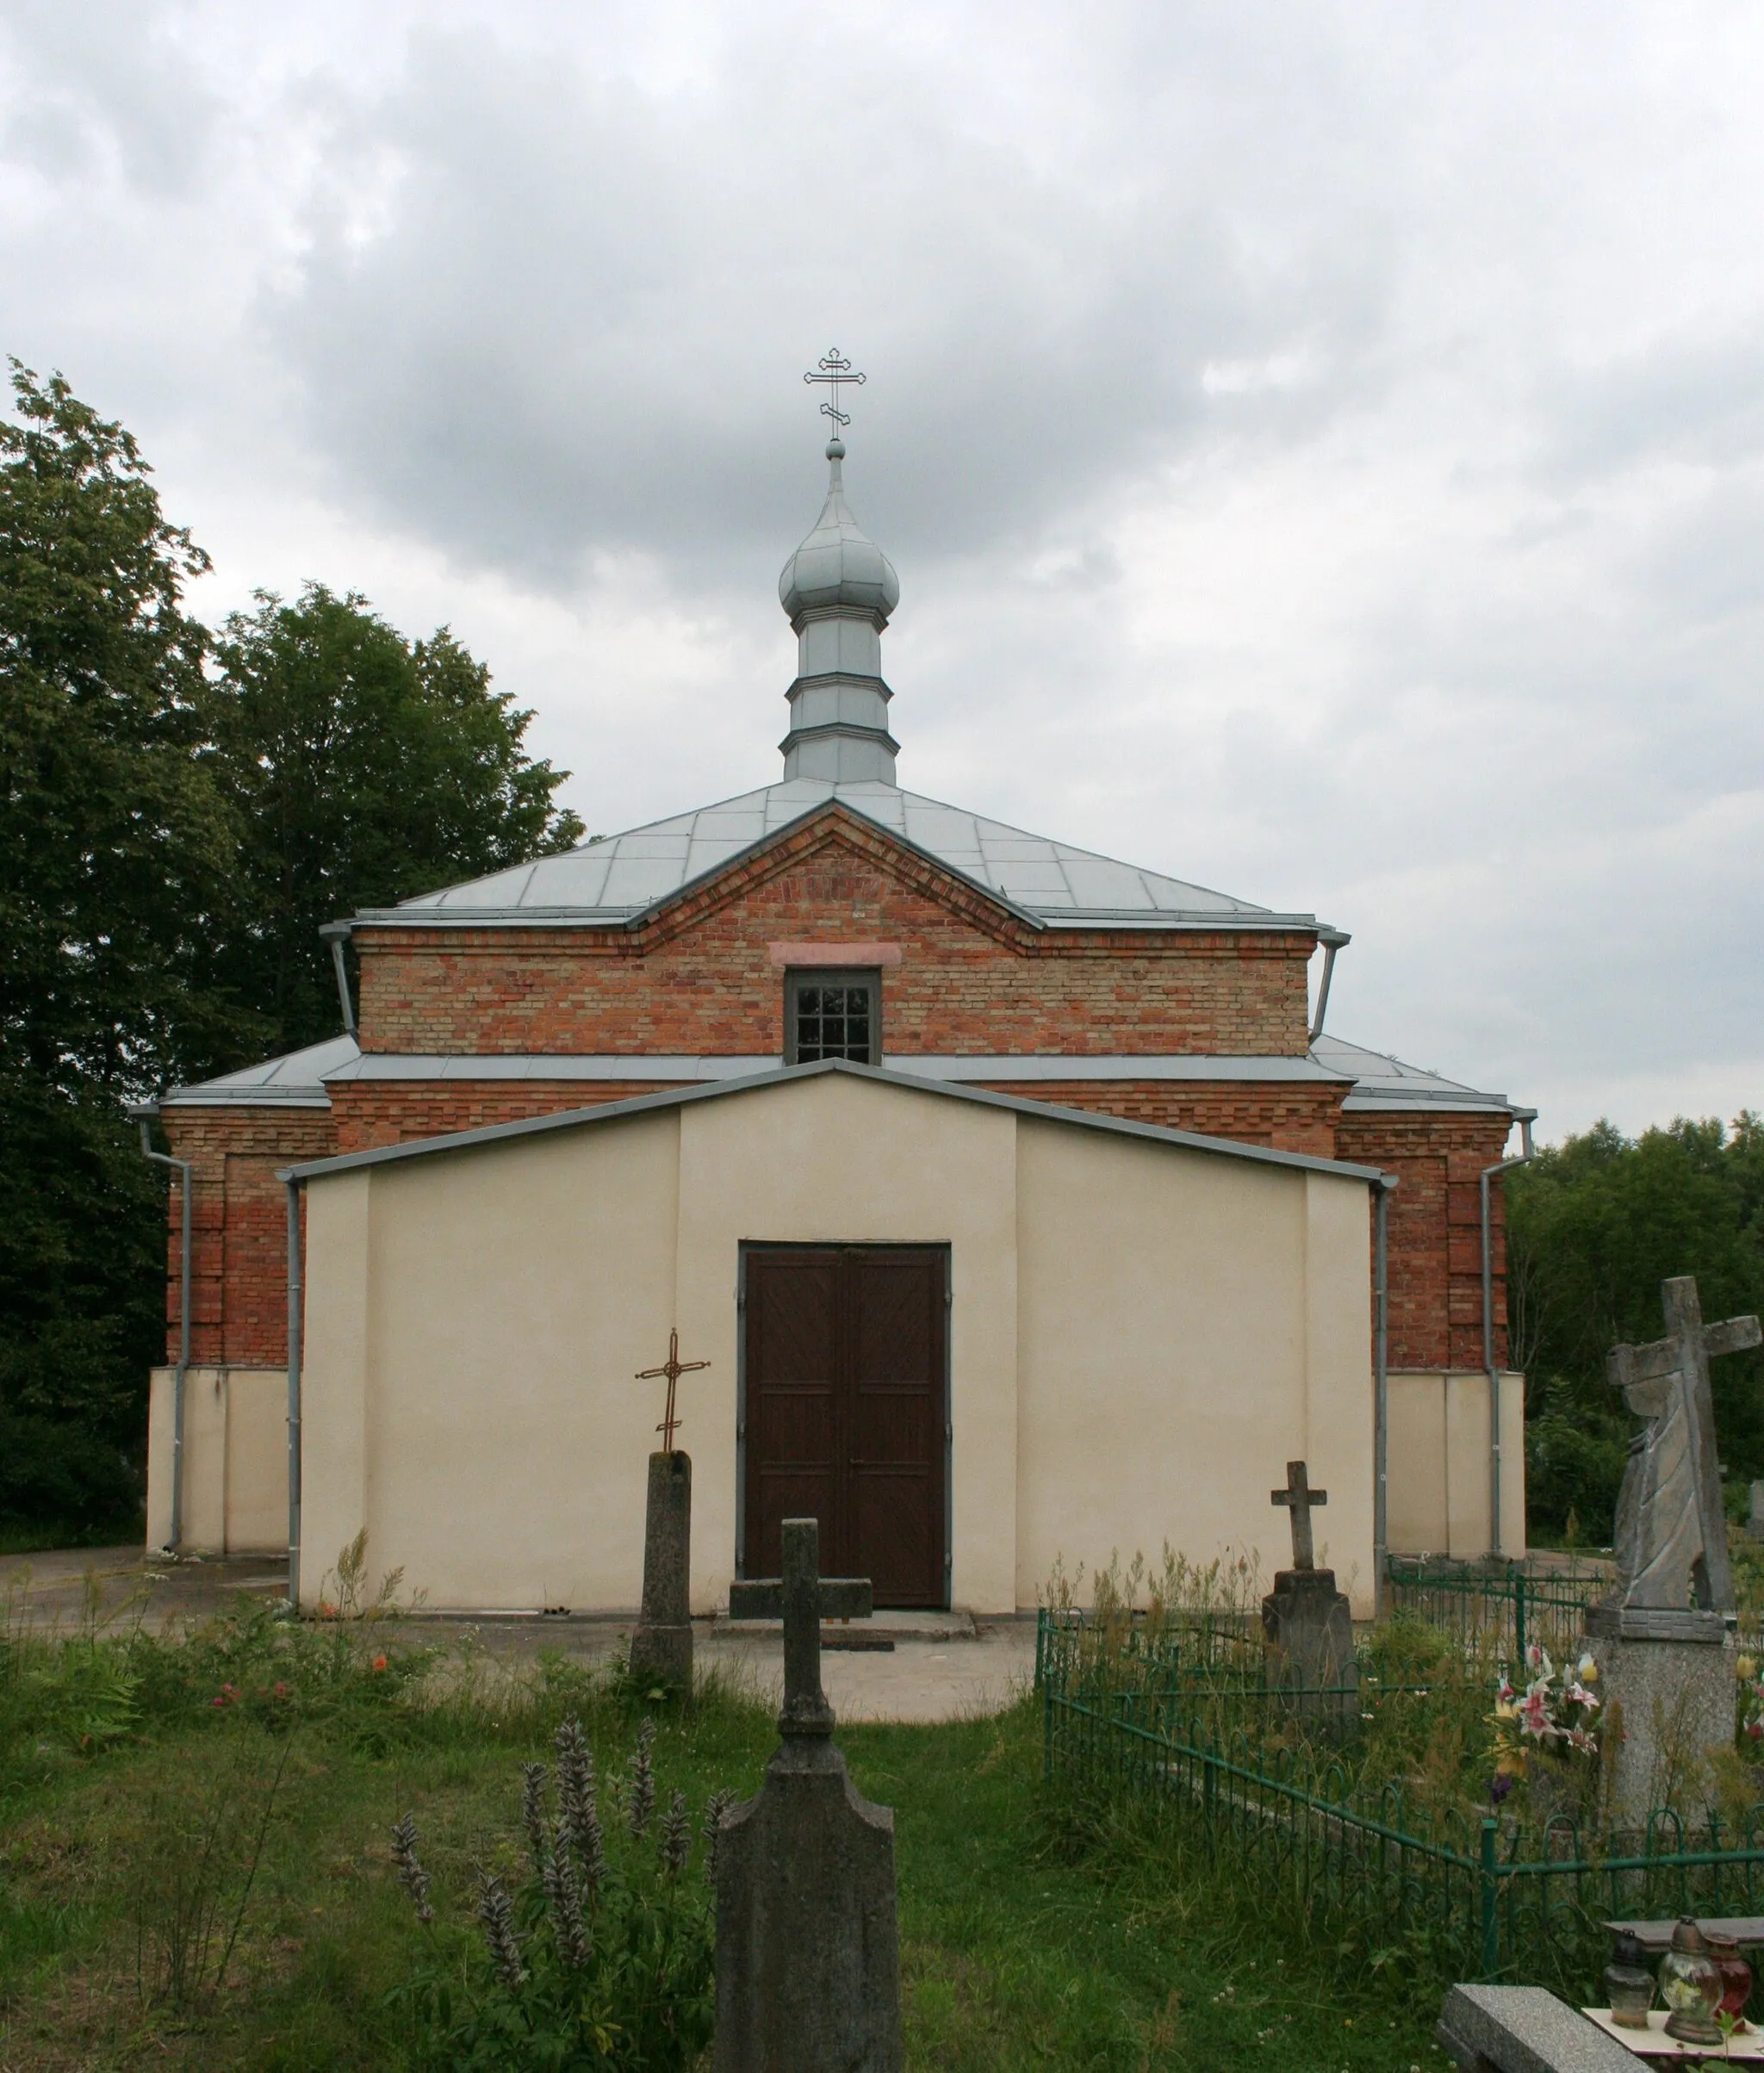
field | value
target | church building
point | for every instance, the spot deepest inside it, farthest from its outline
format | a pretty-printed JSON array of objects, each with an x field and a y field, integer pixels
[{"x": 1017, "y": 1199}]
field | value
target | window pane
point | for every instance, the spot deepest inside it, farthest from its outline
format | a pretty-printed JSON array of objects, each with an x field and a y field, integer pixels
[{"x": 832, "y": 1022}]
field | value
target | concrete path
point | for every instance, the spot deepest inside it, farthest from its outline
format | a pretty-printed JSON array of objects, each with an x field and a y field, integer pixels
[{"x": 942, "y": 1665}]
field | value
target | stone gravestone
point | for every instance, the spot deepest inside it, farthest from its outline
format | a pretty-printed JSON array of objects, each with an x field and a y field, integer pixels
[
  {"x": 808, "y": 1959},
  {"x": 1664, "y": 1638},
  {"x": 1306, "y": 1621},
  {"x": 1755, "y": 1511},
  {"x": 662, "y": 1644},
  {"x": 1525, "y": 2030}
]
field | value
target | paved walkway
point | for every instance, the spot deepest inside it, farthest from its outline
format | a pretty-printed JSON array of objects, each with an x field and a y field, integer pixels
[{"x": 942, "y": 1667}]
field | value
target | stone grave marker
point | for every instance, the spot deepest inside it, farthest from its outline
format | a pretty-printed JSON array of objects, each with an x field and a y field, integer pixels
[
  {"x": 1664, "y": 1638},
  {"x": 1307, "y": 1623},
  {"x": 808, "y": 1959},
  {"x": 662, "y": 1643}
]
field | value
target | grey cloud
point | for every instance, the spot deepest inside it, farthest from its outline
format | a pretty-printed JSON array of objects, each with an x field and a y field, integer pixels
[{"x": 583, "y": 320}]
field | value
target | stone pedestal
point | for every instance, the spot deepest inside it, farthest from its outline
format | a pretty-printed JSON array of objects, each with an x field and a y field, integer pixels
[
  {"x": 1668, "y": 1679},
  {"x": 808, "y": 1962},
  {"x": 661, "y": 1646},
  {"x": 1309, "y": 1630}
]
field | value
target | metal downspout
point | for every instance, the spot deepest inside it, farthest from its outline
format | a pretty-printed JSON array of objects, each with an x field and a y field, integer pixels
[
  {"x": 183, "y": 1166},
  {"x": 294, "y": 1358},
  {"x": 1332, "y": 940},
  {"x": 337, "y": 934},
  {"x": 1381, "y": 1390},
  {"x": 1488, "y": 1367}
]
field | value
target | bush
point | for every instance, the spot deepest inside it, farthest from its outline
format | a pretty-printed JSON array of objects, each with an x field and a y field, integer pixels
[{"x": 601, "y": 1957}]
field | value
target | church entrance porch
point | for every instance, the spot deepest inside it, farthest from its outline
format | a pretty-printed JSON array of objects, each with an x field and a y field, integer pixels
[{"x": 845, "y": 1390}]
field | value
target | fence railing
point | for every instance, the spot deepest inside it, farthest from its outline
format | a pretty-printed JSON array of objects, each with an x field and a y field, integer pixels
[
  {"x": 1508, "y": 1604},
  {"x": 1489, "y": 1898}
]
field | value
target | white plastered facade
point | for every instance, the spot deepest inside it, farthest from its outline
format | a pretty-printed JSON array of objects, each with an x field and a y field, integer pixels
[{"x": 1143, "y": 1332}]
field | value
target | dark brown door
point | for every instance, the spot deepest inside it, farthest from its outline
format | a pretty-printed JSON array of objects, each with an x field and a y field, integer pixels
[{"x": 846, "y": 1397}]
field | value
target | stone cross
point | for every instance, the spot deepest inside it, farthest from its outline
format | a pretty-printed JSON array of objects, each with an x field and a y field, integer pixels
[
  {"x": 1671, "y": 1532},
  {"x": 808, "y": 1949},
  {"x": 1299, "y": 1497},
  {"x": 672, "y": 1367},
  {"x": 803, "y": 1598}
]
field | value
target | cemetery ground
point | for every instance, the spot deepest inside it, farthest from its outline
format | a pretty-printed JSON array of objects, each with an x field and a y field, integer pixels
[{"x": 196, "y": 1866}]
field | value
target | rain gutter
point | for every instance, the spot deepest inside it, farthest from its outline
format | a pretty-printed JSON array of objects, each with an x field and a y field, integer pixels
[{"x": 1524, "y": 1118}]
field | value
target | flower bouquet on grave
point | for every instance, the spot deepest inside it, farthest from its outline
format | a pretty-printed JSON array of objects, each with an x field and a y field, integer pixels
[{"x": 1544, "y": 1732}]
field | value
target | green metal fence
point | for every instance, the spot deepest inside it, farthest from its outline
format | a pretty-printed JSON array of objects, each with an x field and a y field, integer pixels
[
  {"x": 1508, "y": 1604},
  {"x": 1489, "y": 1898}
]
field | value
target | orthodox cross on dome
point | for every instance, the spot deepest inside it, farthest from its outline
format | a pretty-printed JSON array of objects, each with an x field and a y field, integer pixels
[
  {"x": 803, "y": 1598},
  {"x": 672, "y": 1367},
  {"x": 833, "y": 371},
  {"x": 1671, "y": 1535},
  {"x": 1299, "y": 1497}
]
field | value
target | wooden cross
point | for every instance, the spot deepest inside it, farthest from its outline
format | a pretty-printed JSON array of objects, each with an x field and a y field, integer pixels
[
  {"x": 803, "y": 1598},
  {"x": 1678, "y": 1365},
  {"x": 1299, "y": 1497},
  {"x": 672, "y": 1367}
]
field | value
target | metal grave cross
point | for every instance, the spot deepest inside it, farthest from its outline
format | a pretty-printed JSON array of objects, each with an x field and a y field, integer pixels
[
  {"x": 1676, "y": 1524},
  {"x": 672, "y": 1367},
  {"x": 1299, "y": 1497},
  {"x": 833, "y": 371},
  {"x": 803, "y": 1598}
]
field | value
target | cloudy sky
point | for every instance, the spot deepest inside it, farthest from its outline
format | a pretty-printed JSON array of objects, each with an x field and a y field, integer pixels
[{"x": 1322, "y": 445}]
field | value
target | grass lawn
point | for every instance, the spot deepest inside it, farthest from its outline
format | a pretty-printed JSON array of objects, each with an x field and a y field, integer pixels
[{"x": 1027, "y": 1939}]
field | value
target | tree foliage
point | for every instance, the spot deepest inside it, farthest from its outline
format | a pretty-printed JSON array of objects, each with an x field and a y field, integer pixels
[
  {"x": 362, "y": 769},
  {"x": 114, "y": 849},
  {"x": 1593, "y": 1226},
  {"x": 176, "y": 818}
]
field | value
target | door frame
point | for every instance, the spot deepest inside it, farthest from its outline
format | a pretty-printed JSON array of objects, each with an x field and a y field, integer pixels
[{"x": 743, "y": 1248}]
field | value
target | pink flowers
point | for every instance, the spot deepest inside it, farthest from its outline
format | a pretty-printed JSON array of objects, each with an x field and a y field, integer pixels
[
  {"x": 227, "y": 1696},
  {"x": 1557, "y": 1706}
]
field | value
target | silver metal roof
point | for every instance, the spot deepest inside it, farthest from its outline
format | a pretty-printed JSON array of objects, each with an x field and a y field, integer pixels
[
  {"x": 301, "y": 1079},
  {"x": 1383, "y": 1081},
  {"x": 612, "y": 882},
  {"x": 838, "y": 564}
]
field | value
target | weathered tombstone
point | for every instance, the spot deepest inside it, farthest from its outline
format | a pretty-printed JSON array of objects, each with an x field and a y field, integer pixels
[
  {"x": 661, "y": 1645},
  {"x": 1755, "y": 1511},
  {"x": 1525, "y": 2030},
  {"x": 1664, "y": 1637},
  {"x": 1309, "y": 1624},
  {"x": 808, "y": 1959}
]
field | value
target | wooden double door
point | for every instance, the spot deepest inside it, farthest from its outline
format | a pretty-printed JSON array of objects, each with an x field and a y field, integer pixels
[{"x": 847, "y": 1397}]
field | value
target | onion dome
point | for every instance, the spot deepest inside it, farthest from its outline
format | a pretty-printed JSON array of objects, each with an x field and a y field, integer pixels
[{"x": 839, "y": 564}]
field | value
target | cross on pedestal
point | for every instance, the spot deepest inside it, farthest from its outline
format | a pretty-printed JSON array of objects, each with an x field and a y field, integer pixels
[
  {"x": 803, "y": 1598},
  {"x": 672, "y": 1367},
  {"x": 1667, "y": 1383},
  {"x": 1299, "y": 1497}
]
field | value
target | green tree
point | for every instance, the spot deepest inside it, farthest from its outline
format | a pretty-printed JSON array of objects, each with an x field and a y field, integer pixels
[
  {"x": 115, "y": 844},
  {"x": 363, "y": 769},
  {"x": 1593, "y": 1226}
]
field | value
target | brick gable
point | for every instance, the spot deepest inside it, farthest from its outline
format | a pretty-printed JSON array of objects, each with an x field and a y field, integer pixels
[{"x": 698, "y": 977}]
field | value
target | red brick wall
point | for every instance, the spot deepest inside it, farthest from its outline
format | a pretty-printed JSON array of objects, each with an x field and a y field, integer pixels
[
  {"x": 395, "y": 1112},
  {"x": 1435, "y": 1231},
  {"x": 970, "y": 978},
  {"x": 1285, "y": 1115},
  {"x": 238, "y": 1226}
]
